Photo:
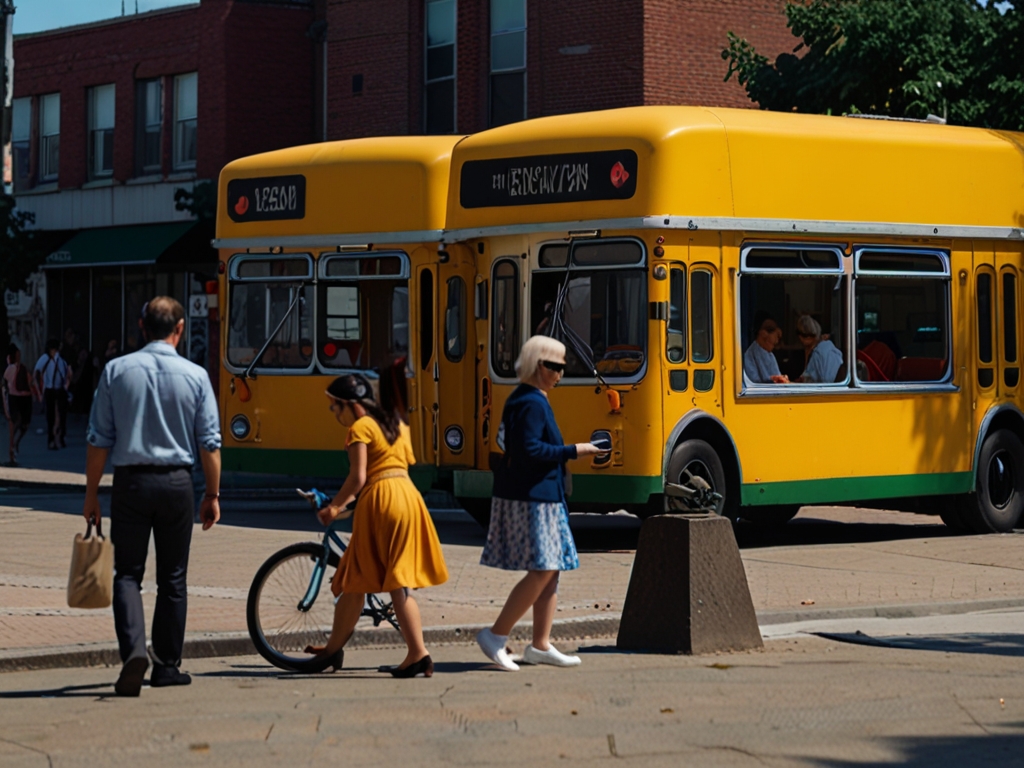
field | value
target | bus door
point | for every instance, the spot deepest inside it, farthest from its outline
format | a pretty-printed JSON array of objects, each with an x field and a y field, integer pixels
[
  {"x": 704, "y": 287},
  {"x": 425, "y": 366},
  {"x": 455, "y": 359}
]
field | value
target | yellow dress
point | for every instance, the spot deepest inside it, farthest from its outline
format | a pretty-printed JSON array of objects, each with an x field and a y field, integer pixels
[{"x": 394, "y": 543}]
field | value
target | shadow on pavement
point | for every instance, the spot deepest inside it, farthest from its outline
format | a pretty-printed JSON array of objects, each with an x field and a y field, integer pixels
[
  {"x": 65, "y": 692},
  {"x": 930, "y": 751},
  {"x": 989, "y": 644}
]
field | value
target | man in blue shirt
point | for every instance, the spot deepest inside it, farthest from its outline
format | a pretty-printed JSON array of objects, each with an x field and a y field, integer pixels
[{"x": 153, "y": 412}]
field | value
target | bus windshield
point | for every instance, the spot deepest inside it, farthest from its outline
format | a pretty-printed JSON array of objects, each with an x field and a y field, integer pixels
[
  {"x": 604, "y": 305},
  {"x": 266, "y": 293}
]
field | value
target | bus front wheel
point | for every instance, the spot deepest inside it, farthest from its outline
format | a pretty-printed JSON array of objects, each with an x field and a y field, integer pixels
[
  {"x": 997, "y": 504},
  {"x": 695, "y": 458}
]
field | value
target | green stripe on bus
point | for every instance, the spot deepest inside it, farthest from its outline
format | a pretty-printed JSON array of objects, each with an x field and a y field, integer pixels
[
  {"x": 855, "y": 488},
  {"x": 614, "y": 489},
  {"x": 307, "y": 463}
]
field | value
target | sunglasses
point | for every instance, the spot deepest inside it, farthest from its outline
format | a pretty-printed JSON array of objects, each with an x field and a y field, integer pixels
[
  {"x": 556, "y": 367},
  {"x": 806, "y": 335}
]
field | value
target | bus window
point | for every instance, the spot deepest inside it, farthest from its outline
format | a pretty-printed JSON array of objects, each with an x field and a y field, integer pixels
[
  {"x": 603, "y": 305},
  {"x": 426, "y": 318},
  {"x": 505, "y": 322},
  {"x": 675, "y": 345},
  {"x": 261, "y": 292},
  {"x": 1011, "y": 374},
  {"x": 455, "y": 320},
  {"x": 702, "y": 317},
  {"x": 902, "y": 311},
  {"x": 793, "y": 313},
  {"x": 363, "y": 310}
]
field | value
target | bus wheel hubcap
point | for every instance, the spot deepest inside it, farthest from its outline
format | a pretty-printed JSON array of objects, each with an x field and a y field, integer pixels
[{"x": 1001, "y": 480}]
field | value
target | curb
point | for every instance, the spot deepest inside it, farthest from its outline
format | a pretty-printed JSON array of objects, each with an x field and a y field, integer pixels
[{"x": 585, "y": 628}]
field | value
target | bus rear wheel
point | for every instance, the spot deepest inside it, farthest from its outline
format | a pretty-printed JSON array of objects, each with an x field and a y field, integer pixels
[
  {"x": 478, "y": 509},
  {"x": 997, "y": 504},
  {"x": 695, "y": 458}
]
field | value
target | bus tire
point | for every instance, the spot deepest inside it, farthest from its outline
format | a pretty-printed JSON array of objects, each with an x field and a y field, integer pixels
[
  {"x": 699, "y": 458},
  {"x": 949, "y": 511},
  {"x": 772, "y": 515},
  {"x": 998, "y": 499},
  {"x": 478, "y": 509}
]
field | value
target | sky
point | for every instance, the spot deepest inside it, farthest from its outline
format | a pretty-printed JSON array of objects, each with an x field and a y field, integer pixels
[{"x": 39, "y": 15}]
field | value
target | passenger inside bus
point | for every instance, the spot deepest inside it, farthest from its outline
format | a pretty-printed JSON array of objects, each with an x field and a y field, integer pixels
[
  {"x": 823, "y": 358},
  {"x": 759, "y": 362}
]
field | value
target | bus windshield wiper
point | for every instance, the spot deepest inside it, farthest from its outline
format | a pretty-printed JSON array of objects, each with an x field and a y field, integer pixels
[
  {"x": 564, "y": 332},
  {"x": 248, "y": 371}
]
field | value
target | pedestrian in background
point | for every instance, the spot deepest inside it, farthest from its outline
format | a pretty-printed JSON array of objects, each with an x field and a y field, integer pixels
[
  {"x": 17, "y": 396},
  {"x": 394, "y": 545},
  {"x": 153, "y": 413},
  {"x": 529, "y": 528},
  {"x": 53, "y": 377}
]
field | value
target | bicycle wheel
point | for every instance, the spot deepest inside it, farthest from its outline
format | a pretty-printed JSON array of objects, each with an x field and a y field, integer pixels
[{"x": 278, "y": 628}]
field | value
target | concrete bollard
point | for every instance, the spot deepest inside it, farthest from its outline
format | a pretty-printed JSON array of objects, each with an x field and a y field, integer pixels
[{"x": 688, "y": 591}]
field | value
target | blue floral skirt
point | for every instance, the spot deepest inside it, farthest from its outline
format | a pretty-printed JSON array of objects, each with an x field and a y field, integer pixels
[{"x": 529, "y": 536}]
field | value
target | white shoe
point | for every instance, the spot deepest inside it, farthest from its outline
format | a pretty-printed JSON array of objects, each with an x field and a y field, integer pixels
[
  {"x": 493, "y": 647},
  {"x": 551, "y": 656}
]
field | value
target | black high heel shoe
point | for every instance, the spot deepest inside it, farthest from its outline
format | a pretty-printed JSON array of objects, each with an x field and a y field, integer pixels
[{"x": 424, "y": 666}]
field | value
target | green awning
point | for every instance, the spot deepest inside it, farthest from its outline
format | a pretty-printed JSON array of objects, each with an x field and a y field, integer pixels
[{"x": 116, "y": 246}]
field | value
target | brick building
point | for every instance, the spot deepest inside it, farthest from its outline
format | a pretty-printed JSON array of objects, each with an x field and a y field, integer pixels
[
  {"x": 440, "y": 66},
  {"x": 110, "y": 119}
]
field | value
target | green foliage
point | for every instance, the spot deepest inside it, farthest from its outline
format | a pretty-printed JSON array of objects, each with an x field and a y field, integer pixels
[
  {"x": 21, "y": 253},
  {"x": 200, "y": 201},
  {"x": 901, "y": 58}
]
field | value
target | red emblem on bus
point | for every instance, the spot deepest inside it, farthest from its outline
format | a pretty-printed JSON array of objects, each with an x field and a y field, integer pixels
[
  {"x": 242, "y": 205},
  {"x": 619, "y": 175}
]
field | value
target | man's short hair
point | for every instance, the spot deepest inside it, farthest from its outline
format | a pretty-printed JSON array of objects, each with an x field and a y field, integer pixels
[
  {"x": 52, "y": 344},
  {"x": 162, "y": 316}
]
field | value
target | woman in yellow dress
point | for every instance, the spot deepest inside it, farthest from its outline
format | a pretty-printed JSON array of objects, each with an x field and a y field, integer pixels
[{"x": 394, "y": 546}]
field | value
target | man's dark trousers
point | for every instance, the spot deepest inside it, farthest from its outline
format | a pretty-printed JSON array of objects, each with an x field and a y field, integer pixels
[
  {"x": 56, "y": 407},
  {"x": 148, "y": 499}
]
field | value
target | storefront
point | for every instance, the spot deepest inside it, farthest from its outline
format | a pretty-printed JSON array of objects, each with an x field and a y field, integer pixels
[{"x": 99, "y": 280}]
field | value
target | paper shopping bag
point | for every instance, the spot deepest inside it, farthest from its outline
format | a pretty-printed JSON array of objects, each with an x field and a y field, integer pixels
[{"x": 91, "y": 580}]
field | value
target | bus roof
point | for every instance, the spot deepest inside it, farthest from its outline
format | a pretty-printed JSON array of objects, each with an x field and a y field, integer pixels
[
  {"x": 389, "y": 189},
  {"x": 737, "y": 169}
]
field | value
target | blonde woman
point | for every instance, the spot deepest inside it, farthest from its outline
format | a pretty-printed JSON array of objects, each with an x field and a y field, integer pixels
[{"x": 529, "y": 528}]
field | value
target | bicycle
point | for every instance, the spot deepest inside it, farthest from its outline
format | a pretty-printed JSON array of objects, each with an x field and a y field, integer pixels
[{"x": 290, "y": 604}]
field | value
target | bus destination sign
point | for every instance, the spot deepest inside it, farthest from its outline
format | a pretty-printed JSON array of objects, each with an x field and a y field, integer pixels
[
  {"x": 539, "y": 179},
  {"x": 268, "y": 198}
]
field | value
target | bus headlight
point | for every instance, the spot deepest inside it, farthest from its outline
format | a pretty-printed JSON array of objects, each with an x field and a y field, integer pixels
[
  {"x": 454, "y": 439},
  {"x": 240, "y": 427}
]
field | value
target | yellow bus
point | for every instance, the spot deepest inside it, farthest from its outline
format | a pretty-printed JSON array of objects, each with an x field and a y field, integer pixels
[
  {"x": 330, "y": 263},
  {"x": 796, "y": 309}
]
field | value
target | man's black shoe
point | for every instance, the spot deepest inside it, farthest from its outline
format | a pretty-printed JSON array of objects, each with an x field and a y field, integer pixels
[
  {"x": 132, "y": 673},
  {"x": 163, "y": 675}
]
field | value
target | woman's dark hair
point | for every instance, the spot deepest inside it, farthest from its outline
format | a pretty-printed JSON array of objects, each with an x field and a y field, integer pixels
[
  {"x": 354, "y": 388},
  {"x": 393, "y": 394}
]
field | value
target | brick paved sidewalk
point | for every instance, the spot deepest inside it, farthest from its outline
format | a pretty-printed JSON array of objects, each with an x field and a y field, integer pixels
[{"x": 927, "y": 566}]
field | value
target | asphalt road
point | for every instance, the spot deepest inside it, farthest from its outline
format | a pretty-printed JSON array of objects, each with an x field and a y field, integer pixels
[{"x": 803, "y": 701}]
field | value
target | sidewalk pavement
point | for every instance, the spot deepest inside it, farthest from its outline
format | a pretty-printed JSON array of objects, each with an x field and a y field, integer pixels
[{"x": 920, "y": 570}]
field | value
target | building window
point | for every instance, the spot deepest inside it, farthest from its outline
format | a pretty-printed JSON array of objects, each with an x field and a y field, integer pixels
[
  {"x": 439, "y": 91},
  {"x": 49, "y": 137},
  {"x": 185, "y": 109},
  {"x": 101, "y": 131},
  {"x": 149, "y": 118},
  {"x": 21, "y": 144},
  {"x": 508, "y": 61}
]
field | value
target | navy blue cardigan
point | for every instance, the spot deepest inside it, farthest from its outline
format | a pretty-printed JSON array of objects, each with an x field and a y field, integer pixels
[{"x": 533, "y": 467}]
